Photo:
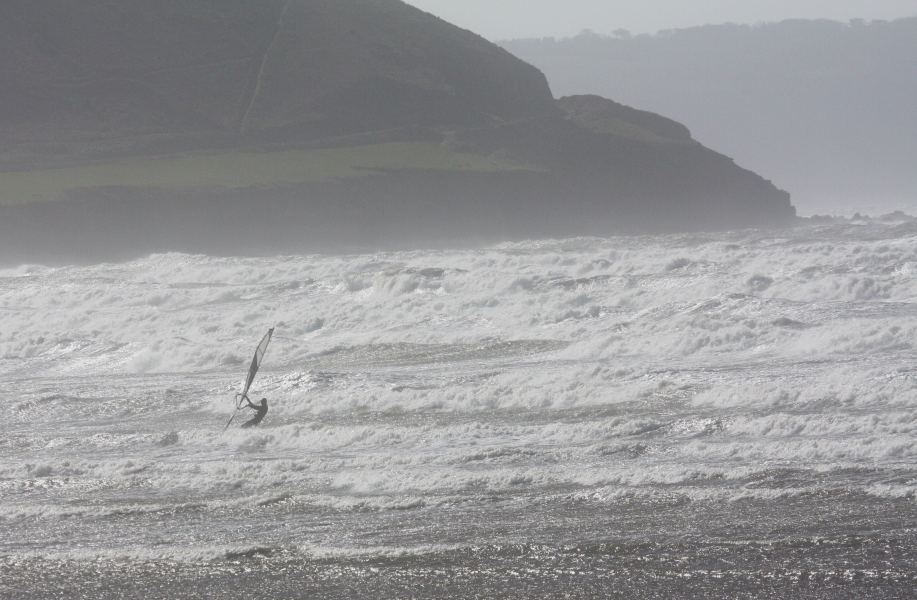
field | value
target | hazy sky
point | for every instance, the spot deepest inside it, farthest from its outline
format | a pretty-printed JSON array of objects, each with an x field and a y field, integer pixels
[{"x": 505, "y": 19}]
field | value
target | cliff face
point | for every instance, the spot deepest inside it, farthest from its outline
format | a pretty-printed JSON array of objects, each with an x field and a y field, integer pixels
[{"x": 132, "y": 126}]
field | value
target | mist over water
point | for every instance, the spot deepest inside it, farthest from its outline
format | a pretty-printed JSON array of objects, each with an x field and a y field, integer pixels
[{"x": 663, "y": 414}]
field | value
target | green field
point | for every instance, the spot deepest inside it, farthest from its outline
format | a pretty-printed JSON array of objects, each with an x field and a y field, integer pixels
[{"x": 243, "y": 169}]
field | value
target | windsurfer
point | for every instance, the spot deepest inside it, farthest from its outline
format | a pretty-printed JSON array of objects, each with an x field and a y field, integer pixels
[{"x": 260, "y": 411}]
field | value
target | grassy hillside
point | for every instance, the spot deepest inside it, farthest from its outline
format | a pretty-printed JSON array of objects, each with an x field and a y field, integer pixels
[
  {"x": 237, "y": 169},
  {"x": 86, "y": 79}
]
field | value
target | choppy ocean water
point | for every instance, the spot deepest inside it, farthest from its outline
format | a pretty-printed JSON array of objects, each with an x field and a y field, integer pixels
[{"x": 676, "y": 416}]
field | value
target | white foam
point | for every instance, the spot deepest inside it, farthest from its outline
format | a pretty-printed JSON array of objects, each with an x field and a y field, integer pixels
[{"x": 604, "y": 369}]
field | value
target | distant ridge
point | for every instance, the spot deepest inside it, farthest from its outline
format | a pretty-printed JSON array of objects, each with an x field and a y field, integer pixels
[
  {"x": 826, "y": 109},
  {"x": 285, "y": 125}
]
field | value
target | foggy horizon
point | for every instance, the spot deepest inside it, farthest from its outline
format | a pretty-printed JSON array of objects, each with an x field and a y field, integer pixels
[
  {"x": 515, "y": 19},
  {"x": 826, "y": 143}
]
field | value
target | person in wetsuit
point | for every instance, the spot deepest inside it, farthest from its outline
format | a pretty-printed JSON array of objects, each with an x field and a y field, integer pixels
[{"x": 260, "y": 411}]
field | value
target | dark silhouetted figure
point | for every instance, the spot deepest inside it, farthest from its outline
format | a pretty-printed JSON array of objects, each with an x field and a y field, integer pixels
[{"x": 260, "y": 411}]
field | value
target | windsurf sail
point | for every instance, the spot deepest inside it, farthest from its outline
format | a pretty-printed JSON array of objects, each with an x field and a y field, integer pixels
[
  {"x": 242, "y": 397},
  {"x": 256, "y": 364}
]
